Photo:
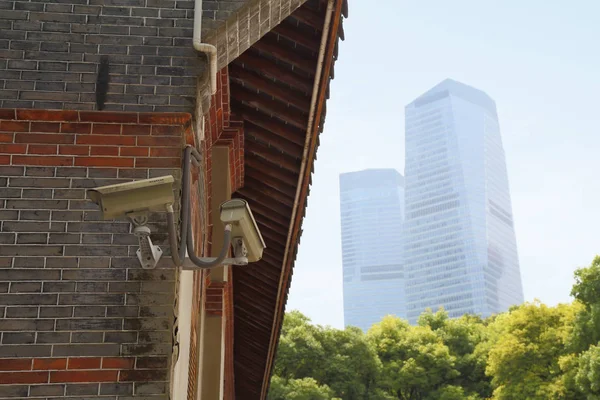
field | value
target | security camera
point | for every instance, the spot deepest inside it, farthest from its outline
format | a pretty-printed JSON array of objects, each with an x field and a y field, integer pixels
[
  {"x": 117, "y": 201},
  {"x": 237, "y": 213},
  {"x": 135, "y": 200}
]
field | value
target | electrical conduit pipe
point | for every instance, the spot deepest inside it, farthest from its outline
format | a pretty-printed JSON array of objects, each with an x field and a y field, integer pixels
[{"x": 208, "y": 49}]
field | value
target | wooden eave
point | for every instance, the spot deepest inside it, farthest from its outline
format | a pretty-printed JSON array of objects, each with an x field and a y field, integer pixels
[{"x": 271, "y": 88}]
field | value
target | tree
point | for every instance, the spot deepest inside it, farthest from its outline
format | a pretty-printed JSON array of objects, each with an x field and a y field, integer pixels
[
  {"x": 586, "y": 291},
  {"x": 587, "y": 378},
  {"x": 524, "y": 360},
  {"x": 341, "y": 359},
  {"x": 299, "y": 389},
  {"x": 462, "y": 336},
  {"x": 416, "y": 363}
]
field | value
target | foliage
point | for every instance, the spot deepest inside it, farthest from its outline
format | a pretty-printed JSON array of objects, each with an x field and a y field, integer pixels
[
  {"x": 532, "y": 352},
  {"x": 299, "y": 389}
]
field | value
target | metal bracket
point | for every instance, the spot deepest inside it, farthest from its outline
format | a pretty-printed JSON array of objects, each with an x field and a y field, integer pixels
[
  {"x": 240, "y": 254},
  {"x": 148, "y": 254}
]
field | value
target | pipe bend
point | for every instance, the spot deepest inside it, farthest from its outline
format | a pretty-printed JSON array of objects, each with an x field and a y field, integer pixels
[{"x": 211, "y": 53}]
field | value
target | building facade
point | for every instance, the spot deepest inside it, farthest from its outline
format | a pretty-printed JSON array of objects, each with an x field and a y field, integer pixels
[
  {"x": 100, "y": 92},
  {"x": 460, "y": 249},
  {"x": 372, "y": 210}
]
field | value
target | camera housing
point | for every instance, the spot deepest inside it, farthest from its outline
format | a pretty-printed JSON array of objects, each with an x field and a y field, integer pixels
[
  {"x": 236, "y": 212},
  {"x": 116, "y": 201}
]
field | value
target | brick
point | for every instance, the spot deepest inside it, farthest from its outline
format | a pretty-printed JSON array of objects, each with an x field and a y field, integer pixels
[
  {"x": 53, "y": 337},
  {"x": 134, "y": 151},
  {"x": 44, "y": 138},
  {"x": 50, "y": 86},
  {"x": 23, "y": 250},
  {"x": 91, "y": 299},
  {"x": 42, "y": 160},
  {"x": 42, "y": 149},
  {"x": 69, "y": 194},
  {"x": 157, "y": 162},
  {"x": 37, "y": 204},
  {"x": 56, "y": 312},
  {"x": 25, "y": 287},
  {"x": 74, "y": 150},
  {"x": 26, "y": 325},
  {"x": 84, "y": 363},
  {"x": 17, "y": 391},
  {"x": 107, "y": 129},
  {"x": 23, "y": 377},
  {"x": 87, "y": 337},
  {"x": 69, "y": 127},
  {"x": 88, "y": 324},
  {"x": 13, "y": 148},
  {"x": 14, "y": 126},
  {"x": 15, "y": 364},
  {"x": 28, "y": 299},
  {"x": 32, "y": 238},
  {"x": 116, "y": 388},
  {"x": 39, "y": 171},
  {"x": 88, "y": 311},
  {"x": 121, "y": 337},
  {"x": 87, "y": 350},
  {"x": 92, "y": 287},
  {"x": 82, "y": 389},
  {"x": 104, "y": 151},
  {"x": 21, "y": 312},
  {"x": 46, "y": 390},
  {"x": 29, "y": 262},
  {"x": 83, "y": 376},
  {"x": 143, "y": 375},
  {"x": 56, "y": 287},
  {"x": 49, "y": 363},
  {"x": 18, "y": 337},
  {"x": 104, "y": 162},
  {"x": 71, "y": 172},
  {"x": 8, "y": 193},
  {"x": 43, "y": 182},
  {"x": 37, "y": 193},
  {"x": 25, "y": 350}
]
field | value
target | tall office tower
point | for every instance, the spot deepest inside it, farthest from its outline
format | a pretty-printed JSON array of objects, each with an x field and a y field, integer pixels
[
  {"x": 460, "y": 247},
  {"x": 371, "y": 213}
]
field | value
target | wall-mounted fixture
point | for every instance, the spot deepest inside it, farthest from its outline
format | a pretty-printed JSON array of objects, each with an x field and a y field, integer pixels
[{"x": 135, "y": 200}]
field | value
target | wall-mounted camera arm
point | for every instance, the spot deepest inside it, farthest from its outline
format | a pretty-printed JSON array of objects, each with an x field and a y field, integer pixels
[{"x": 192, "y": 261}]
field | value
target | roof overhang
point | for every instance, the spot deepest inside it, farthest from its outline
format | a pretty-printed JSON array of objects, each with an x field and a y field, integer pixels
[{"x": 279, "y": 88}]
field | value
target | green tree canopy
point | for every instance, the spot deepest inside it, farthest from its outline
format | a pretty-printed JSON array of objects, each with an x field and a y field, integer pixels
[{"x": 530, "y": 352}]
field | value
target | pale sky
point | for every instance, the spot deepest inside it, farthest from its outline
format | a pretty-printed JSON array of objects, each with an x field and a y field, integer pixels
[{"x": 538, "y": 59}]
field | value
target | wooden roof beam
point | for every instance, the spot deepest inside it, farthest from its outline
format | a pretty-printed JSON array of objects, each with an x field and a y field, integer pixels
[
  {"x": 272, "y": 156},
  {"x": 289, "y": 31},
  {"x": 272, "y": 107},
  {"x": 288, "y": 132},
  {"x": 270, "y": 45},
  {"x": 273, "y": 70},
  {"x": 310, "y": 18},
  {"x": 268, "y": 138},
  {"x": 249, "y": 79}
]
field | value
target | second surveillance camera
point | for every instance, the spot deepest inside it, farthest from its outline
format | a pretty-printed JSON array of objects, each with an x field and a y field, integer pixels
[
  {"x": 116, "y": 201},
  {"x": 237, "y": 213}
]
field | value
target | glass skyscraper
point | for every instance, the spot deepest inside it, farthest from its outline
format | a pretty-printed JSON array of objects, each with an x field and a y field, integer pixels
[
  {"x": 460, "y": 247},
  {"x": 372, "y": 208}
]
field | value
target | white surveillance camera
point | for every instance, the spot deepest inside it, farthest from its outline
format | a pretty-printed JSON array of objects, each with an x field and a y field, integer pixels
[
  {"x": 237, "y": 213},
  {"x": 117, "y": 201}
]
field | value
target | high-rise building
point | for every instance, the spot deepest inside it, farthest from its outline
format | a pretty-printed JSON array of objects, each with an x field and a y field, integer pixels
[
  {"x": 372, "y": 211},
  {"x": 460, "y": 247}
]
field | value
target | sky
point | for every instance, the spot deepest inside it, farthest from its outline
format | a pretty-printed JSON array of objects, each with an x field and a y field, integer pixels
[{"x": 538, "y": 60}]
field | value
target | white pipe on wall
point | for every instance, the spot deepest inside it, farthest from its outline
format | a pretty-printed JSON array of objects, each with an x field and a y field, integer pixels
[{"x": 208, "y": 49}]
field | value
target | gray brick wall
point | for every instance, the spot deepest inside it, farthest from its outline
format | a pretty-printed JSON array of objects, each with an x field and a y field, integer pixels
[
  {"x": 50, "y": 52},
  {"x": 70, "y": 285}
]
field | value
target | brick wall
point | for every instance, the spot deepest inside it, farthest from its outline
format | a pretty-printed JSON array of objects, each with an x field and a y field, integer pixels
[
  {"x": 50, "y": 52},
  {"x": 78, "y": 316}
]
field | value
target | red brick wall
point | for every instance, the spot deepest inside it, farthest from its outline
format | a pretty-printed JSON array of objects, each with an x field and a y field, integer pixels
[
  {"x": 220, "y": 130},
  {"x": 91, "y": 139},
  {"x": 79, "y": 316}
]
